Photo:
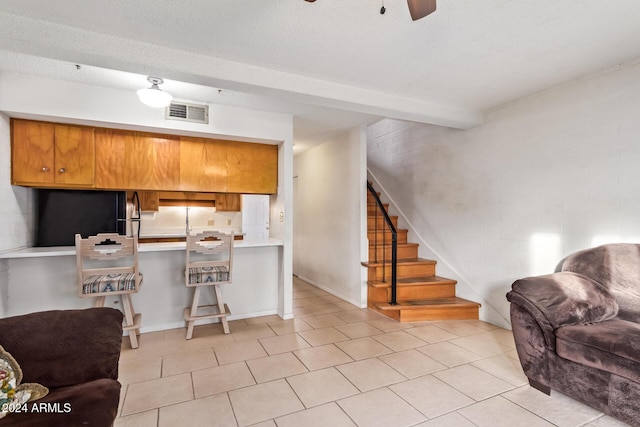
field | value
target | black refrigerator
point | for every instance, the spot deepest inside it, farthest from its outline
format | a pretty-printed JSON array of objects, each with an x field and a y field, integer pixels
[{"x": 63, "y": 213}]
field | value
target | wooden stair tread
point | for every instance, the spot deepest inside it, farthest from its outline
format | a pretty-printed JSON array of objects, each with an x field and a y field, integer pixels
[
  {"x": 452, "y": 302},
  {"x": 404, "y": 261},
  {"x": 388, "y": 245},
  {"x": 414, "y": 281}
]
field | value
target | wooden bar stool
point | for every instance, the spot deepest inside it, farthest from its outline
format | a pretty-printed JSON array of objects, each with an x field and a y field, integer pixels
[
  {"x": 107, "y": 265},
  {"x": 209, "y": 263}
]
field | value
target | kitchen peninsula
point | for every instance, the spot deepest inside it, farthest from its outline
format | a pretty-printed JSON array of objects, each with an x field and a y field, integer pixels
[{"x": 44, "y": 278}]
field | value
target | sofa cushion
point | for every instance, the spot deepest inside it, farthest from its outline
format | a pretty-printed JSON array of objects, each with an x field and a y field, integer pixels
[
  {"x": 61, "y": 348},
  {"x": 615, "y": 267},
  {"x": 94, "y": 403},
  {"x": 612, "y": 346},
  {"x": 566, "y": 298}
]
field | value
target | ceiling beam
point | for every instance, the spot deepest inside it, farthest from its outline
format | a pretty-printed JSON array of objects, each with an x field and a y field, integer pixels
[{"x": 76, "y": 45}]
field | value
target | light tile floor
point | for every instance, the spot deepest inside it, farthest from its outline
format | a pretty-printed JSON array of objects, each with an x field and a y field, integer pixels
[{"x": 336, "y": 365}]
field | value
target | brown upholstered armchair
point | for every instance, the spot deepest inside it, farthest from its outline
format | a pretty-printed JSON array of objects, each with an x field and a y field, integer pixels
[
  {"x": 577, "y": 331},
  {"x": 75, "y": 354}
]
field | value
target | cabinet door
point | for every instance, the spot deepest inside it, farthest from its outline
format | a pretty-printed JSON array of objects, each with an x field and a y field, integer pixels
[
  {"x": 32, "y": 152},
  {"x": 136, "y": 160},
  {"x": 74, "y": 155},
  {"x": 253, "y": 168},
  {"x": 203, "y": 164},
  {"x": 149, "y": 201},
  {"x": 228, "y": 202}
]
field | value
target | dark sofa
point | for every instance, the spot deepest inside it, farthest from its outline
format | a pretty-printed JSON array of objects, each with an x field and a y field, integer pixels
[
  {"x": 75, "y": 354},
  {"x": 577, "y": 330}
]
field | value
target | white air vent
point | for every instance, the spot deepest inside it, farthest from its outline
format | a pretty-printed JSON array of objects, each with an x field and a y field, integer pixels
[{"x": 187, "y": 112}]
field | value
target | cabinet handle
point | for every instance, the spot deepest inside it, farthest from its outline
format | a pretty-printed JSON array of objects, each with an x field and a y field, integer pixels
[
  {"x": 62, "y": 170},
  {"x": 45, "y": 169}
]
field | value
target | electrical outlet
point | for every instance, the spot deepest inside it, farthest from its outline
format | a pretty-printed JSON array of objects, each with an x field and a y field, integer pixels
[
  {"x": 281, "y": 216},
  {"x": 210, "y": 222},
  {"x": 228, "y": 221}
]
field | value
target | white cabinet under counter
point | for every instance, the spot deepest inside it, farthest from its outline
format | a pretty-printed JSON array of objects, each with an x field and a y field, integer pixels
[{"x": 38, "y": 279}]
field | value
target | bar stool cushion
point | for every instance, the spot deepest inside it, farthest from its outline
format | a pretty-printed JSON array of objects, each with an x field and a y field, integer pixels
[
  {"x": 109, "y": 283},
  {"x": 208, "y": 274}
]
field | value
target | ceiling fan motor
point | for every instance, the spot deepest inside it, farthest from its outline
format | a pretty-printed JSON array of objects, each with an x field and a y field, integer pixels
[{"x": 417, "y": 8}]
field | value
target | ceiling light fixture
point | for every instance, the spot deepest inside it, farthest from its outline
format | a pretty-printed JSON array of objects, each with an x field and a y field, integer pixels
[{"x": 154, "y": 96}]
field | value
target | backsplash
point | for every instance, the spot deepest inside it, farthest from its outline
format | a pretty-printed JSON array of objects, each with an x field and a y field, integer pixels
[{"x": 172, "y": 221}]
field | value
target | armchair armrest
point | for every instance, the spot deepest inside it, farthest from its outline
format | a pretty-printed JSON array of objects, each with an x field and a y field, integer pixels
[
  {"x": 65, "y": 347},
  {"x": 563, "y": 299}
]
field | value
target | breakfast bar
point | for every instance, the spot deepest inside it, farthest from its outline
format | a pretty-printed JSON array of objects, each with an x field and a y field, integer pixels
[{"x": 44, "y": 278}]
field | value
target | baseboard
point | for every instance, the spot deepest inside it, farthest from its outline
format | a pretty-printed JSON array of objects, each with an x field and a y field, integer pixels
[{"x": 183, "y": 324}]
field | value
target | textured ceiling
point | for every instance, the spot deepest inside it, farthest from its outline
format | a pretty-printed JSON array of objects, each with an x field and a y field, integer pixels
[{"x": 332, "y": 63}]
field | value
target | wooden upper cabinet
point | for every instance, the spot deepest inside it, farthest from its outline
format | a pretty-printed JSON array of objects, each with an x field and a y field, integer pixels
[
  {"x": 203, "y": 165},
  {"x": 136, "y": 160},
  {"x": 222, "y": 166},
  {"x": 52, "y": 155},
  {"x": 186, "y": 198},
  {"x": 70, "y": 156},
  {"x": 228, "y": 202},
  {"x": 74, "y": 155},
  {"x": 149, "y": 200},
  {"x": 252, "y": 168},
  {"x": 32, "y": 152}
]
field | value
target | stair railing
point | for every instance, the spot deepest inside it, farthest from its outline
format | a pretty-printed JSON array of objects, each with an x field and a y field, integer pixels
[{"x": 394, "y": 244}]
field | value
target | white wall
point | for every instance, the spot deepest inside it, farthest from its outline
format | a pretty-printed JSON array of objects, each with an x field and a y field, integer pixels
[
  {"x": 16, "y": 211},
  {"x": 330, "y": 207},
  {"x": 545, "y": 176},
  {"x": 55, "y": 100},
  {"x": 16, "y": 206}
]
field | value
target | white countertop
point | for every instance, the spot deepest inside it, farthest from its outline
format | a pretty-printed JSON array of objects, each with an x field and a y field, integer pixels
[{"x": 36, "y": 252}]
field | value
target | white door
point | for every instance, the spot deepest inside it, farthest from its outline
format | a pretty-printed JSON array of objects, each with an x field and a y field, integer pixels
[{"x": 255, "y": 217}]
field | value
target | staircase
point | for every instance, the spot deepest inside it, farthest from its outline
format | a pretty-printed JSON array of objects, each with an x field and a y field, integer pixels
[{"x": 420, "y": 293}]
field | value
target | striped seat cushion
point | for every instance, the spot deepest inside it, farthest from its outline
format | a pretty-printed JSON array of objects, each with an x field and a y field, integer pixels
[
  {"x": 109, "y": 283},
  {"x": 208, "y": 274}
]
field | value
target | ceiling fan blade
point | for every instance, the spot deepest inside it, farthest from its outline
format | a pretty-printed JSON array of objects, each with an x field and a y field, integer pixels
[{"x": 420, "y": 8}]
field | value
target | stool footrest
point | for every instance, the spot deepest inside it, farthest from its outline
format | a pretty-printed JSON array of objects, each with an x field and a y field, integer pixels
[
  {"x": 137, "y": 321},
  {"x": 208, "y": 312}
]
